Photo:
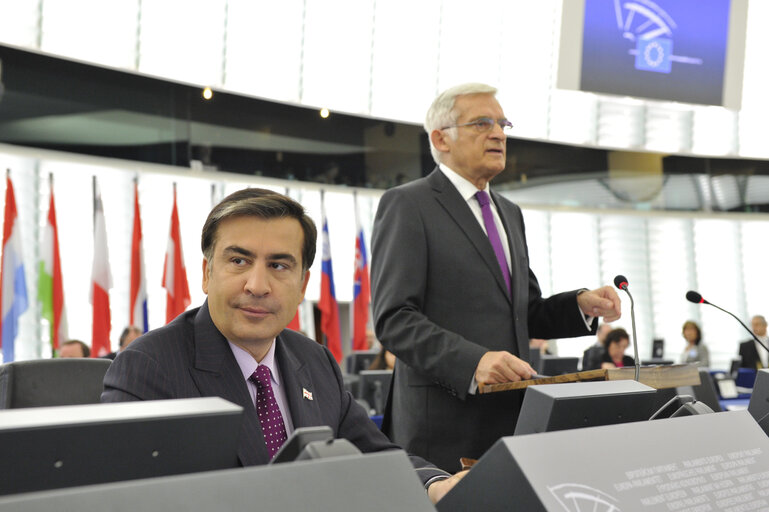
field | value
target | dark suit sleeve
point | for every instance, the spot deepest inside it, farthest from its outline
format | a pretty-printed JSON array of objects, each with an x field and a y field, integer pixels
[
  {"x": 135, "y": 375},
  {"x": 399, "y": 278},
  {"x": 355, "y": 426}
]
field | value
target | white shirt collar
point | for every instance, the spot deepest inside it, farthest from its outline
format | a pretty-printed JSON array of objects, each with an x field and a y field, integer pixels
[
  {"x": 466, "y": 189},
  {"x": 248, "y": 364}
]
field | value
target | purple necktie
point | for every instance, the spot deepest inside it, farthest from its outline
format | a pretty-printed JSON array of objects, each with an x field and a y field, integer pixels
[
  {"x": 269, "y": 413},
  {"x": 491, "y": 231}
]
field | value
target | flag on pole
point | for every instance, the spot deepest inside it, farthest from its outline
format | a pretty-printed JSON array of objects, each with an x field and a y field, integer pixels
[
  {"x": 12, "y": 281},
  {"x": 361, "y": 290},
  {"x": 138, "y": 305},
  {"x": 50, "y": 290},
  {"x": 329, "y": 310},
  {"x": 295, "y": 323},
  {"x": 174, "y": 272},
  {"x": 101, "y": 280}
]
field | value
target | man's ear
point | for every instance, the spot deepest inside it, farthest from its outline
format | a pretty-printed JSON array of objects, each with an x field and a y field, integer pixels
[
  {"x": 306, "y": 280},
  {"x": 438, "y": 138},
  {"x": 205, "y": 276}
]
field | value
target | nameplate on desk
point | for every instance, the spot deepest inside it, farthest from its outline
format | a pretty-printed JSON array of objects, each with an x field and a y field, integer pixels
[
  {"x": 711, "y": 462},
  {"x": 657, "y": 377}
]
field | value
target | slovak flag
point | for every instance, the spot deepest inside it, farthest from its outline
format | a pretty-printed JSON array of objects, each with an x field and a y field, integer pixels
[
  {"x": 174, "y": 271},
  {"x": 12, "y": 281},
  {"x": 101, "y": 280},
  {"x": 329, "y": 309},
  {"x": 361, "y": 291},
  {"x": 138, "y": 305}
]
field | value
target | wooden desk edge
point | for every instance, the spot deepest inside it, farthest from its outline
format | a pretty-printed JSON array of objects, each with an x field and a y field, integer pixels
[{"x": 658, "y": 377}]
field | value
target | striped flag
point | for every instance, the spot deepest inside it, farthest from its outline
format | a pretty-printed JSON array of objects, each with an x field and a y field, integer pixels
[
  {"x": 138, "y": 305},
  {"x": 329, "y": 309},
  {"x": 101, "y": 280},
  {"x": 12, "y": 281},
  {"x": 295, "y": 324},
  {"x": 174, "y": 272},
  {"x": 361, "y": 291},
  {"x": 50, "y": 290}
]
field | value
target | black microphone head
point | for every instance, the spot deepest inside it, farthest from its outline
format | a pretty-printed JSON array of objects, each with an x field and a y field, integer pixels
[
  {"x": 620, "y": 282},
  {"x": 695, "y": 297}
]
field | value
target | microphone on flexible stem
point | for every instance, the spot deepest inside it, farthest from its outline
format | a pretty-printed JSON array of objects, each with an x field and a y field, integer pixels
[
  {"x": 696, "y": 298},
  {"x": 621, "y": 283}
]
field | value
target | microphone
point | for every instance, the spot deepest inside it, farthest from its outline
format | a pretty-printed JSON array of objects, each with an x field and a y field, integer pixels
[
  {"x": 696, "y": 298},
  {"x": 621, "y": 282}
]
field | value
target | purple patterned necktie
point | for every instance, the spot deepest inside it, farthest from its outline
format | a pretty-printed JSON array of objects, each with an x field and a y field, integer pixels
[
  {"x": 269, "y": 413},
  {"x": 491, "y": 231}
]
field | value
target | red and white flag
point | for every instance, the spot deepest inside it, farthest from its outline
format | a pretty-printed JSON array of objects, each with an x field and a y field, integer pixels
[
  {"x": 174, "y": 272},
  {"x": 101, "y": 280},
  {"x": 138, "y": 305},
  {"x": 295, "y": 323}
]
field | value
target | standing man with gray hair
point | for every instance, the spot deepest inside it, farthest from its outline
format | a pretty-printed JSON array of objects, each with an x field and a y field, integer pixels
[{"x": 453, "y": 295}]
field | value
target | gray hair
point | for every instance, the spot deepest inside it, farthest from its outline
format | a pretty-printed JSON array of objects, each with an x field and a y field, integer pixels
[{"x": 441, "y": 112}]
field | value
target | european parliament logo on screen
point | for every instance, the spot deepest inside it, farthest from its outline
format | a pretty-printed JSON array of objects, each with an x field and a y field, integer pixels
[{"x": 670, "y": 50}]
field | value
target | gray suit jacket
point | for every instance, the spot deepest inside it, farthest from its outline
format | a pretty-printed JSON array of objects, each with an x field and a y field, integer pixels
[
  {"x": 440, "y": 302},
  {"x": 190, "y": 358}
]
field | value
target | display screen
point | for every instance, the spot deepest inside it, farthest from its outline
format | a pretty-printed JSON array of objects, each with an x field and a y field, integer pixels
[{"x": 675, "y": 50}]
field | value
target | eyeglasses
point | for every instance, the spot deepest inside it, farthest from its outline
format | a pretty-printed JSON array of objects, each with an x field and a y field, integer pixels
[{"x": 485, "y": 124}]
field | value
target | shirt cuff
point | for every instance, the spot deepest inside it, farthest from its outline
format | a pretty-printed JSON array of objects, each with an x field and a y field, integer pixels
[
  {"x": 435, "y": 479},
  {"x": 587, "y": 318}
]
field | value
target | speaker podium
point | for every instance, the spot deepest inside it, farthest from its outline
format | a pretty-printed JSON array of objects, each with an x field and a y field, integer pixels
[{"x": 720, "y": 461}]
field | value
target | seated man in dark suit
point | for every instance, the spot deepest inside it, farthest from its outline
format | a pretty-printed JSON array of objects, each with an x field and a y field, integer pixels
[
  {"x": 129, "y": 334},
  {"x": 753, "y": 355},
  {"x": 258, "y": 246}
]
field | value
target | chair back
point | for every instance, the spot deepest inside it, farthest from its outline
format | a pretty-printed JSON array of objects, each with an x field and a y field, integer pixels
[{"x": 49, "y": 382}]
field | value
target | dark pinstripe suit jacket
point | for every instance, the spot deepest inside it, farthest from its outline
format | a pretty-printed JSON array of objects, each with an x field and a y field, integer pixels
[{"x": 190, "y": 358}]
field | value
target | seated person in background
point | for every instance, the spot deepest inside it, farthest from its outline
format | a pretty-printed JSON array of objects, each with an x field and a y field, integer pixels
[
  {"x": 695, "y": 351},
  {"x": 258, "y": 246},
  {"x": 754, "y": 355},
  {"x": 591, "y": 358},
  {"x": 129, "y": 334},
  {"x": 74, "y": 348},
  {"x": 541, "y": 345},
  {"x": 616, "y": 343},
  {"x": 384, "y": 360}
]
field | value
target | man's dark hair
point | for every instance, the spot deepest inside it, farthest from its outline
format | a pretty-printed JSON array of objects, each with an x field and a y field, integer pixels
[
  {"x": 85, "y": 348},
  {"x": 264, "y": 204},
  {"x": 126, "y": 332},
  {"x": 615, "y": 336}
]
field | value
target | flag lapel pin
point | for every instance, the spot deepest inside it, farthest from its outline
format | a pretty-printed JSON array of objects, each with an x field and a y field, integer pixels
[{"x": 306, "y": 394}]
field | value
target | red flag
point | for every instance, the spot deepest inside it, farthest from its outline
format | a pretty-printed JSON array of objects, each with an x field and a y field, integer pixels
[
  {"x": 295, "y": 323},
  {"x": 361, "y": 293},
  {"x": 174, "y": 272},
  {"x": 329, "y": 309},
  {"x": 101, "y": 280},
  {"x": 138, "y": 298}
]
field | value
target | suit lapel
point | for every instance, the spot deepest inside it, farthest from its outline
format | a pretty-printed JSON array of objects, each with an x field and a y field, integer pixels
[
  {"x": 216, "y": 373},
  {"x": 300, "y": 391},
  {"x": 456, "y": 207}
]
